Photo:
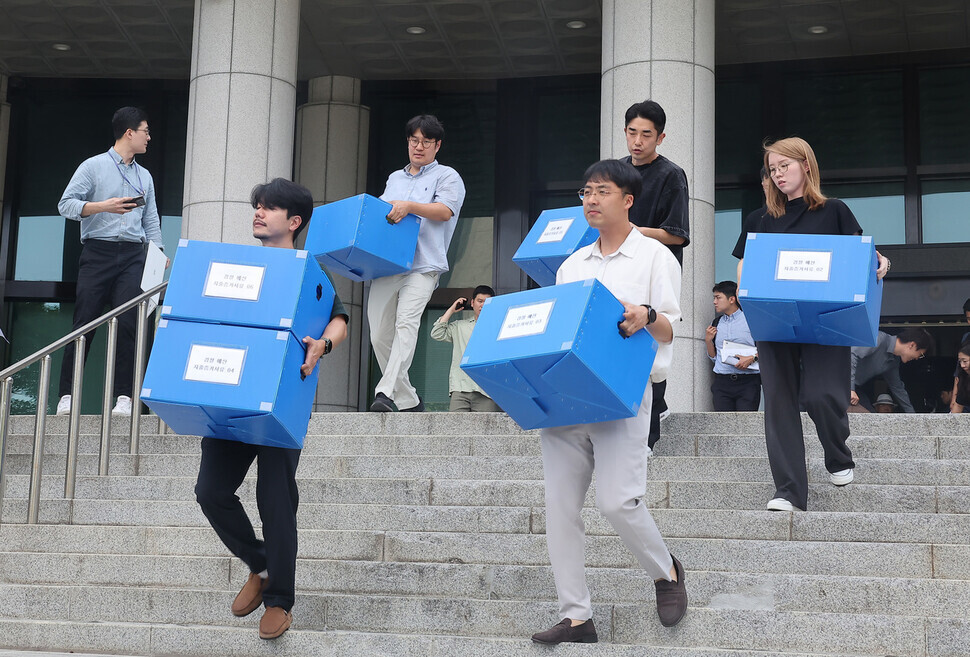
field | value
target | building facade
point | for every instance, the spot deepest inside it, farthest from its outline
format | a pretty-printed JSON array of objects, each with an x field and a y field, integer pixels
[{"x": 530, "y": 92}]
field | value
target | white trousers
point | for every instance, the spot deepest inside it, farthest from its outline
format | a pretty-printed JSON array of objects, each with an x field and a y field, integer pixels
[
  {"x": 394, "y": 311},
  {"x": 617, "y": 453}
]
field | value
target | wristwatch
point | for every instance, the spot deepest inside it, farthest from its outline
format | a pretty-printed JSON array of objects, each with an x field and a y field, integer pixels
[
  {"x": 327, "y": 346},
  {"x": 651, "y": 313}
]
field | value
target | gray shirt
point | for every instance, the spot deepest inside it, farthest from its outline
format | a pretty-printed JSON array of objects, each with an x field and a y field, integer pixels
[
  {"x": 434, "y": 183},
  {"x": 869, "y": 362},
  {"x": 106, "y": 176}
]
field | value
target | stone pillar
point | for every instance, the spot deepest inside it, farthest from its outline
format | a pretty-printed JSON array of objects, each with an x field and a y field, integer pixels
[
  {"x": 664, "y": 50},
  {"x": 4, "y": 133},
  {"x": 242, "y": 104},
  {"x": 331, "y": 160}
]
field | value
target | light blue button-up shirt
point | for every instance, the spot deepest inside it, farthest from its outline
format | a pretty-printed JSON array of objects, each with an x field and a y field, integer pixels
[
  {"x": 106, "y": 176},
  {"x": 731, "y": 328},
  {"x": 434, "y": 183}
]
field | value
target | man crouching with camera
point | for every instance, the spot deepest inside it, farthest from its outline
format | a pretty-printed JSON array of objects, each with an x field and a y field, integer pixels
[{"x": 465, "y": 393}]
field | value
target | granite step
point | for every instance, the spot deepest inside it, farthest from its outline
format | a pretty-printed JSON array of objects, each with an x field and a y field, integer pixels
[
  {"x": 160, "y": 640},
  {"x": 635, "y": 624},
  {"x": 317, "y": 578},
  {"x": 863, "y": 447}
]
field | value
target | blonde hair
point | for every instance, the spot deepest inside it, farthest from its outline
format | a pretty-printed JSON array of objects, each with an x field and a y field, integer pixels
[{"x": 795, "y": 148}]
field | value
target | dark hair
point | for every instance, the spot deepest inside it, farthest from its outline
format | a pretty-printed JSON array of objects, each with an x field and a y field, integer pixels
[
  {"x": 429, "y": 126},
  {"x": 963, "y": 379},
  {"x": 125, "y": 119},
  {"x": 727, "y": 288},
  {"x": 620, "y": 173},
  {"x": 650, "y": 110},
  {"x": 966, "y": 306},
  {"x": 483, "y": 289},
  {"x": 922, "y": 338},
  {"x": 282, "y": 194}
]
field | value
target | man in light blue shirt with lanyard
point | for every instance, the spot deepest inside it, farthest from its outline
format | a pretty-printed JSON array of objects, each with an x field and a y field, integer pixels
[
  {"x": 737, "y": 378},
  {"x": 435, "y": 194},
  {"x": 114, "y": 199}
]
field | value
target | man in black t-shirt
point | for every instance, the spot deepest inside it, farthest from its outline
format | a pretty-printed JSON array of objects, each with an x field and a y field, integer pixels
[{"x": 660, "y": 210}]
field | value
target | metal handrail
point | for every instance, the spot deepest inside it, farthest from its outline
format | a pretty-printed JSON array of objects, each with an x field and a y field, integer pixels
[{"x": 44, "y": 356}]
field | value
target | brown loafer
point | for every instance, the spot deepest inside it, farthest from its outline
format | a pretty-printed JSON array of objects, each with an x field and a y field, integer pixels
[
  {"x": 672, "y": 597},
  {"x": 250, "y": 595},
  {"x": 274, "y": 622},
  {"x": 564, "y": 632}
]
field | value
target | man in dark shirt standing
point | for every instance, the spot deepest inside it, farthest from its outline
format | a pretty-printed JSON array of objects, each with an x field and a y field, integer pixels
[{"x": 660, "y": 211}]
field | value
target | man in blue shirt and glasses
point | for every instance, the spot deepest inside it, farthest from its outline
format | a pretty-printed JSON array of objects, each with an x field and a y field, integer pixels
[{"x": 114, "y": 199}]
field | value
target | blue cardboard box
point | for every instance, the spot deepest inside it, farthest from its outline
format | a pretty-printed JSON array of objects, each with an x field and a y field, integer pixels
[
  {"x": 249, "y": 286},
  {"x": 353, "y": 238},
  {"x": 819, "y": 289},
  {"x": 232, "y": 382},
  {"x": 554, "y": 237},
  {"x": 554, "y": 356}
]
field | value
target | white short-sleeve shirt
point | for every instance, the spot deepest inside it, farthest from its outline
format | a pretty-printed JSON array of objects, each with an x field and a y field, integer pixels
[{"x": 641, "y": 271}]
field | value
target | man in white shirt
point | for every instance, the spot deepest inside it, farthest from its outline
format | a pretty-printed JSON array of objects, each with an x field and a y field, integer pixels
[{"x": 643, "y": 274}]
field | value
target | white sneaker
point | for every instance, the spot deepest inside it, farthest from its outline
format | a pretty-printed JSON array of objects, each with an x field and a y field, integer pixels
[
  {"x": 842, "y": 477},
  {"x": 780, "y": 504},
  {"x": 649, "y": 451},
  {"x": 64, "y": 405},
  {"x": 123, "y": 406},
  {"x": 664, "y": 415}
]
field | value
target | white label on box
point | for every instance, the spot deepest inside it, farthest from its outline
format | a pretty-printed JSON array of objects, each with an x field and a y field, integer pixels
[
  {"x": 814, "y": 266},
  {"x": 555, "y": 231},
  {"x": 211, "y": 364},
  {"x": 230, "y": 281},
  {"x": 521, "y": 321}
]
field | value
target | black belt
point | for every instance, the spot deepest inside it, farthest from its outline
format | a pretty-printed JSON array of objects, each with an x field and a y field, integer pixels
[{"x": 736, "y": 377}]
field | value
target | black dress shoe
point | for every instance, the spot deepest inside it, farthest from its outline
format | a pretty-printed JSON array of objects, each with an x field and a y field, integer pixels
[
  {"x": 672, "y": 597},
  {"x": 415, "y": 409},
  {"x": 564, "y": 632},
  {"x": 382, "y": 404}
]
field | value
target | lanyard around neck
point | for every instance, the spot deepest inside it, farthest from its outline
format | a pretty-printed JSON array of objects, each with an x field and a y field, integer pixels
[{"x": 139, "y": 188}]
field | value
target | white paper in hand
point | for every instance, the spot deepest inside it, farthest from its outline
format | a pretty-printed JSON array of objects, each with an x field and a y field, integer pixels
[
  {"x": 731, "y": 350},
  {"x": 154, "y": 273}
]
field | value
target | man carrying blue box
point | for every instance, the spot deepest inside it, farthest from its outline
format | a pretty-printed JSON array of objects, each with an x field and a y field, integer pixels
[
  {"x": 434, "y": 193},
  {"x": 645, "y": 277},
  {"x": 281, "y": 207}
]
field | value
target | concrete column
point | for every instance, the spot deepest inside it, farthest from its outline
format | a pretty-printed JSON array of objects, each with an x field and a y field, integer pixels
[
  {"x": 664, "y": 50},
  {"x": 4, "y": 133},
  {"x": 331, "y": 160},
  {"x": 242, "y": 104}
]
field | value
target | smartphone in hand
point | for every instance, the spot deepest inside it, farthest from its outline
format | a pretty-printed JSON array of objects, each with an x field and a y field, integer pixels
[{"x": 137, "y": 200}]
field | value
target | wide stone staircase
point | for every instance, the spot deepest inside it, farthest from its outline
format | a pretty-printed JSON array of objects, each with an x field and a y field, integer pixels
[{"x": 423, "y": 534}]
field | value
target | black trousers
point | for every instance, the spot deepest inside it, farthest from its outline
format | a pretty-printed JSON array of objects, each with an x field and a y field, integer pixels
[
  {"x": 659, "y": 406},
  {"x": 819, "y": 375},
  {"x": 109, "y": 274},
  {"x": 224, "y": 466},
  {"x": 736, "y": 392}
]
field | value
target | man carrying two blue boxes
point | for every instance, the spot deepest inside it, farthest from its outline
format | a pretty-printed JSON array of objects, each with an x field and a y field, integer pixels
[{"x": 282, "y": 209}]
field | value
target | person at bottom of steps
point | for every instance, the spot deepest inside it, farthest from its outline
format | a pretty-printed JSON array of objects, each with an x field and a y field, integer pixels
[
  {"x": 281, "y": 207},
  {"x": 645, "y": 277}
]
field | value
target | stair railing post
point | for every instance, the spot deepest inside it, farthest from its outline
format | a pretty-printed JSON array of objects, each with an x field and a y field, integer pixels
[
  {"x": 40, "y": 422},
  {"x": 140, "y": 340},
  {"x": 6, "y": 389},
  {"x": 109, "y": 384},
  {"x": 74, "y": 424}
]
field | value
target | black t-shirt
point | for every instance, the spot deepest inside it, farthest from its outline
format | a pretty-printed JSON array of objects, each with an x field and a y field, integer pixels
[
  {"x": 663, "y": 201},
  {"x": 833, "y": 218}
]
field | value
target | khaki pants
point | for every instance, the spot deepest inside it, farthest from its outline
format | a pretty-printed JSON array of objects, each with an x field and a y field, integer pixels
[
  {"x": 617, "y": 453},
  {"x": 474, "y": 402},
  {"x": 394, "y": 310}
]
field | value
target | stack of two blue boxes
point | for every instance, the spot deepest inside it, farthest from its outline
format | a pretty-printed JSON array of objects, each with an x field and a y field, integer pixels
[{"x": 228, "y": 350}]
